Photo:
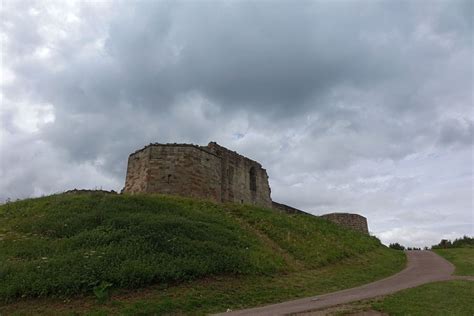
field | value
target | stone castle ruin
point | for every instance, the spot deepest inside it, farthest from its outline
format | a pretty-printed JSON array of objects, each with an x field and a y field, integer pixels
[{"x": 210, "y": 172}]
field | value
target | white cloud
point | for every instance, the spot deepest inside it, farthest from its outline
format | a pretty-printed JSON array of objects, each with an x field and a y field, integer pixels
[{"x": 416, "y": 237}]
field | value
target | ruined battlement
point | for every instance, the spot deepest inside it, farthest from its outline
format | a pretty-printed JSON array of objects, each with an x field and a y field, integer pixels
[{"x": 204, "y": 148}]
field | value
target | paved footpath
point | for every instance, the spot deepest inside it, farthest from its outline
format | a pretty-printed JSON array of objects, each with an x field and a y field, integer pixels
[{"x": 422, "y": 267}]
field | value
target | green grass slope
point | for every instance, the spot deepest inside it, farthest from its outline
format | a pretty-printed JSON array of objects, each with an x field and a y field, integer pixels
[
  {"x": 439, "y": 298},
  {"x": 63, "y": 245},
  {"x": 462, "y": 258}
]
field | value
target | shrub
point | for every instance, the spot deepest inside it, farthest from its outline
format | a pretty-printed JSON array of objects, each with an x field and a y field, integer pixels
[{"x": 396, "y": 246}]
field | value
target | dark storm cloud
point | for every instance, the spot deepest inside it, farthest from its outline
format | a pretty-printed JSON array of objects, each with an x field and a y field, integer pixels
[
  {"x": 348, "y": 104},
  {"x": 457, "y": 132},
  {"x": 272, "y": 58}
]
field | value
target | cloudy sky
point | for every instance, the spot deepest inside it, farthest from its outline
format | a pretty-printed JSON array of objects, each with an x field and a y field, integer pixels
[{"x": 357, "y": 106}]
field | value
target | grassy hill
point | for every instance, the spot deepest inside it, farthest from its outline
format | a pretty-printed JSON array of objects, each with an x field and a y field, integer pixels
[
  {"x": 67, "y": 245},
  {"x": 462, "y": 258}
]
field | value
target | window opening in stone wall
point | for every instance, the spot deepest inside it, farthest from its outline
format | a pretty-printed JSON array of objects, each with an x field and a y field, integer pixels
[
  {"x": 169, "y": 178},
  {"x": 230, "y": 175},
  {"x": 253, "y": 179}
]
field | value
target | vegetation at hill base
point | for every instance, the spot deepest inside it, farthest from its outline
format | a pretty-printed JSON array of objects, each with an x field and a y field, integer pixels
[
  {"x": 66, "y": 245},
  {"x": 439, "y": 298}
]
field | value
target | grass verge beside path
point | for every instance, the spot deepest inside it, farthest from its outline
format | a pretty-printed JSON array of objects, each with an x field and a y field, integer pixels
[
  {"x": 439, "y": 298},
  {"x": 462, "y": 258},
  {"x": 222, "y": 293}
]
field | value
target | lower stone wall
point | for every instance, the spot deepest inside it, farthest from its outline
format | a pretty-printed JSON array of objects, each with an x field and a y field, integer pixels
[
  {"x": 89, "y": 191},
  {"x": 352, "y": 221},
  {"x": 287, "y": 209}
]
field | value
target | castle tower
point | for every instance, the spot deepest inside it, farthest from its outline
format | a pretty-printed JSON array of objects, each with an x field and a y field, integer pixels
[{"x": 211, "y": 172}]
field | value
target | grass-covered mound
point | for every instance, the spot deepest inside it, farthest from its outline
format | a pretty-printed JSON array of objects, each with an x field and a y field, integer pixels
[{"x": 62, "y": 245}]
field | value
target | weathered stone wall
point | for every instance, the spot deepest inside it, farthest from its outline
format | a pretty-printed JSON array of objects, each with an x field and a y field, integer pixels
[
  {"x": 242, "y": 180},
  {"x": 184, "y": 170},
  {"x": 353, "y": 221},
  {"x": 137, "y": 171},
  {"x": 287, "y": 209},
  {"x": 211, "y": 172},
  {"x": 178, "y": 169}
]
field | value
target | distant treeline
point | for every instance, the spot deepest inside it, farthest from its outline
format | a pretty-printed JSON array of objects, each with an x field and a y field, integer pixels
[
  {"x": 463, "y": 242},
  {"x": 397, "y": 246}
]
